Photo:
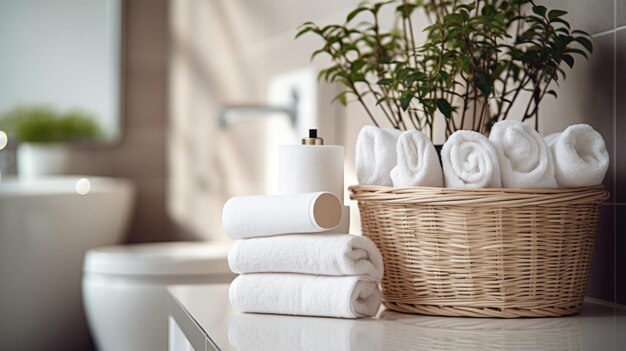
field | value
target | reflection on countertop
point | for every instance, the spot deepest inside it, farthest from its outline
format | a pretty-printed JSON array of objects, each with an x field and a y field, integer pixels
[{"x": 205, "y": 310}]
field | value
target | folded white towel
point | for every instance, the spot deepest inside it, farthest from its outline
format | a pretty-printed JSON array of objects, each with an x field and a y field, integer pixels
[
  {"x": 580, "y": 156},
  {"x": 319, "y": 254},
  {"x": 470, "y": 161},
  {"x": 264, "y": 332},
  {"x": 307, "y": 295},
  {"x": 417, "y": 161},
  {"x": 265, "y": 215},
  {"x": 525, "y": 158},
  {"x": 376, "y": 155}
]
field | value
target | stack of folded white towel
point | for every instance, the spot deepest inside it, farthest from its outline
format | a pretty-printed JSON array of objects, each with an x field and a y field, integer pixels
[
  {"x": 291, "y": 261},
  {"x": 513, "y": 156}
]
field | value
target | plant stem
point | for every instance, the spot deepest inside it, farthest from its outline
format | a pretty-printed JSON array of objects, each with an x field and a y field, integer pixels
[
  {"x": 358, "y": 96},
  {"x": 399, "y": 109},
  {"x": 465, "y": 99},
  {"x": 412, "y": 41},
  {"x": 517, "y": 92},
  {"x": 483, "y": 112},
  {"x": 396, "y": 123},
  {"x": 389, "y": 114},
  {"x": 475, "y": 108},
  {"x": 412, "y": 119}
]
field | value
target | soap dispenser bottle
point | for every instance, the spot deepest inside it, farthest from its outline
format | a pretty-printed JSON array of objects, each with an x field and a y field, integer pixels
[{"x": 311, "y": 167}]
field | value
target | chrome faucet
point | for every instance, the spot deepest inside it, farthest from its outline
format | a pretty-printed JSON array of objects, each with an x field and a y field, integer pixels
[{"x": 253, "y": 110}]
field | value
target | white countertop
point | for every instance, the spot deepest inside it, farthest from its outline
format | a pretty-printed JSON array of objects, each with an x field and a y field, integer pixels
[{"x": 209, "y": 322}]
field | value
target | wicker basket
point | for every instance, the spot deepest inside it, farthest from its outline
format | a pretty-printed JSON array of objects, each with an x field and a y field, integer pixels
[{"x": 484, "y": 252}]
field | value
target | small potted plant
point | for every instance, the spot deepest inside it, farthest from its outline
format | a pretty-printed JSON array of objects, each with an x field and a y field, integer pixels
[{"x": 43, "y": 136}]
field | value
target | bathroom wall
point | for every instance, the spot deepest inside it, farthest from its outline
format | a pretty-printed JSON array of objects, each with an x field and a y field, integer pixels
[
  {"x": 228, "y": 50},
  {"x": 140, "y": 154},
  {"x": 594, "y": 93}
]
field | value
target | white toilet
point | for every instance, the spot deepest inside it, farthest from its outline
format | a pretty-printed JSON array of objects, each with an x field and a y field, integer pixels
[{"x": 124, "y": 288}]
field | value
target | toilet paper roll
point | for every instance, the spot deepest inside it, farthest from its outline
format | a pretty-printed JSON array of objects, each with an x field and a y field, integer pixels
[
  {"x": 310, "y": 168},
  {"x": 266, "y": 215}
]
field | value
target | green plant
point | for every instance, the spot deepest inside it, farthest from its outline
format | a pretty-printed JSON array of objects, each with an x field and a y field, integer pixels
[
  {"x": 45, "y": 125},
  {"x": 477, "y": 61}
]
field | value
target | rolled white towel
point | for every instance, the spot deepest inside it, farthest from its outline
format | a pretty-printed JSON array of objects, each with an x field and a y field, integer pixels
[
  {"x": 525, "y": 159},
  {"x": 344, "y": 224},
  {"x": 305, "y": 295},
  {"x": 580, "y": 156},
  {"x": 319, "y": 254},
  {"x": 417, "y": 162},
  {"x": 470, "y": 161},
  {"x": 376, "y": 155},
  {"x": 265, "y": 332},
  {"x": 551, "y": 138},
  {"x": 266, "y": 215}
]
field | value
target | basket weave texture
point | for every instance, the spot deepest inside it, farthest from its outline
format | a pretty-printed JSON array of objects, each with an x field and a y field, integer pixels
[{"x": 482, "y": 252}]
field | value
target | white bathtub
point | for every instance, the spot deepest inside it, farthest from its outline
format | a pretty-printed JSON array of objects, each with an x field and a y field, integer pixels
[{"x": 46, "y": 226}]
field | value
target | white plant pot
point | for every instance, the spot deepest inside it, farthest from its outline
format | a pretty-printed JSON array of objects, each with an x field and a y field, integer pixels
[{"x": 40, "y": 159}]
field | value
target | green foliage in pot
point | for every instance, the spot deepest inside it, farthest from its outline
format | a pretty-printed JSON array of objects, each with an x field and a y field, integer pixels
[
  {"x": 40, "y": 124},
  {"x": 477, "y": 61}
]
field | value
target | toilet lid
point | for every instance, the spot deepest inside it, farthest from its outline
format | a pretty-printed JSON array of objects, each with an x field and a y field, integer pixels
[{"x": 173, "y": 258}]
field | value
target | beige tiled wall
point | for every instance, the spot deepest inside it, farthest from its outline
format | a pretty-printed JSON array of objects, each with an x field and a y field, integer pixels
[{"x": 140, "y": 155}]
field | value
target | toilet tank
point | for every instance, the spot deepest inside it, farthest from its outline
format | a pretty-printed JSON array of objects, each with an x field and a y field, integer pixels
[{"x": 46, "y": 227}]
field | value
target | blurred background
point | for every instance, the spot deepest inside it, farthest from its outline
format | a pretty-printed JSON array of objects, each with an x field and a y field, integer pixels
[{"x": 187, "y": 101}]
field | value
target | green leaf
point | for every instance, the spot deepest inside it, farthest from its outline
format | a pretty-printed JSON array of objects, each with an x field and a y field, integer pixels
[
  {"x": 484, "y": 87},
  {"x": 488, "y": 11},
  {"x": 444, "y": 106},
  {"x": 586, "y": 43},
  {"x": 414, "y": 77},
  {"x": 402, "y": 73},
  {"x": 398, "y": 68},
  {"x": 382, "y": 99},
  {"x": 342, "y": 98},
  {"x": 405, "y": 100},
  {"x": 405, "y": 9},
  {"x": 317, "y": 52},
  {"x": 562, "y": 21},
  {"x": 453, "y": 18},
  {"x": 540, "y": 10},
  {"x": 578, "y": 52},
  {"x": 355, "y": 12},
  {"x": 328, "y": 73},
  {"x": 357, "y": 77},
  {"x": 356, "y": 65},
  {"x": 385, "y": 81},
  {"x": 553, "y": 14},
  {"x": 302, "y": 31},
  {"x": 569, "y": 60},
  {"x": 552, "y": 92},
  {"x": 378, "y": 5}
]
